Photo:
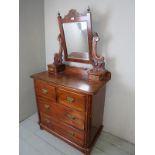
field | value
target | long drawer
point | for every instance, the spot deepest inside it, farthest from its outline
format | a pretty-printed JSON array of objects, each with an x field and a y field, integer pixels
[
  {"x": 62, "y": 113},
  {"x": 62, "y": 129}
]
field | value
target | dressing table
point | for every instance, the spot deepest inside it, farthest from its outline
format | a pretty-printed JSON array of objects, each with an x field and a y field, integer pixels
[{"x": 70, "y": 100}]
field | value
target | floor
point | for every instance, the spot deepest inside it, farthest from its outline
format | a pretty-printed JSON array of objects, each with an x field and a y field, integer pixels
[{"x": 34, "y": 141}]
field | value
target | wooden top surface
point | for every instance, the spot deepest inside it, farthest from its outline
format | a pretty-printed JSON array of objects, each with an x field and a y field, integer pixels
[{"x": 73, "y": 81}]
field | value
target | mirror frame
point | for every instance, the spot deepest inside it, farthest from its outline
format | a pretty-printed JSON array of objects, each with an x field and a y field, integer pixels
[{"x": 71, "y": 17}]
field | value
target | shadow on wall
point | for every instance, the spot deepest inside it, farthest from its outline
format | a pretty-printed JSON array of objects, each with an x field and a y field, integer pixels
[
  {"x": 100, "y": 25},
  {"x": 119, "y": 113},
  {"x": 119, "y": 108}
]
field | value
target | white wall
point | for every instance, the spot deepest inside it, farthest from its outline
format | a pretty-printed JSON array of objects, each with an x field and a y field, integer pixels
[
  {"x": 114, "y": 22},
  {"x": 31, "y": 52}
]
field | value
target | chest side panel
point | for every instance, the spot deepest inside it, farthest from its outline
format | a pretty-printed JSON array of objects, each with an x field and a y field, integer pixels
[{"x": 95, "y": 120}]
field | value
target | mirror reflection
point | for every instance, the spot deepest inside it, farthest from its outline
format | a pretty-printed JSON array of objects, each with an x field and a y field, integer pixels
[{"x": 76, "y": 37}]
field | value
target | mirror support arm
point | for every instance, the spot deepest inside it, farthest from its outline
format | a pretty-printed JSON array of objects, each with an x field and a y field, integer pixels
[
  {"x": 57, "y": 65},
  {"x": 98, "y": 72},
  {"x": 58, "y": 56},
  {"x": 97, "y": 62}
]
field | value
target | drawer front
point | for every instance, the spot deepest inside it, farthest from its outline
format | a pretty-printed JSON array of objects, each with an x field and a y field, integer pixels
[
  {"x": 63, "y": 114},
  {"x": 44, "y": 105},
  {"x": 43, "y": 89},
  {"x": 71, "y": 99},
  {"x": 62, "y": 129}
]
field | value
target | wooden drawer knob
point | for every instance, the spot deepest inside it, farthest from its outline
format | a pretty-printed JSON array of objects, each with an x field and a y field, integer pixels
[
  {"x": 47, "y": 121},
  {"x": 44, "y": 91},
  {"x": 71, "y": 134},
  {"x": 46, "y": 106},
  {"x": 71, "y": 117},
  {"x": 70, "y": 99}
]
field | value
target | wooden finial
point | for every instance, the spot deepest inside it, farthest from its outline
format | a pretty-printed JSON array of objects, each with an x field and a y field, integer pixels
[
  {"x": 88, "y": 9},
  {"x": 58, "y": 13}
]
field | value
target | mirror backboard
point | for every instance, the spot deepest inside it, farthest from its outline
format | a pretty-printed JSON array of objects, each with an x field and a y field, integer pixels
[{"x": 76, "y": 35}]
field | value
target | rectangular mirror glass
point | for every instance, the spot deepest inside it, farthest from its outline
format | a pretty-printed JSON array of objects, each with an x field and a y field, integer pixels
[{"x": 76, "y": 37}]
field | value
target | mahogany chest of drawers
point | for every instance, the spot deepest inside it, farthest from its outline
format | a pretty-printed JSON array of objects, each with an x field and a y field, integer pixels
[{"x": 70, "y": 107}]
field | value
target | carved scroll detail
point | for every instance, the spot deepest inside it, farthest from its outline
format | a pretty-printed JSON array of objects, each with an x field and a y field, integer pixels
[
  {"x": 72, "y": 14},
  {"x": 58, "y": 56},
  {"x": 97, "y": 62}
]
